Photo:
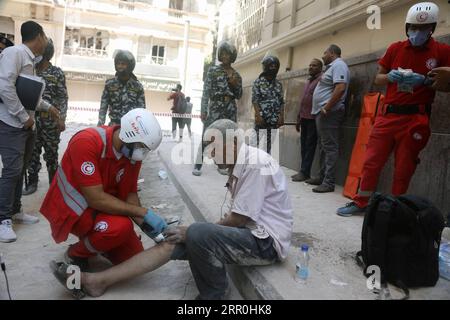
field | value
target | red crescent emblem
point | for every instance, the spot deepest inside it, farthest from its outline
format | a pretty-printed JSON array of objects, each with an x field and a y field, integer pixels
[{"x": 422, "y": 16}]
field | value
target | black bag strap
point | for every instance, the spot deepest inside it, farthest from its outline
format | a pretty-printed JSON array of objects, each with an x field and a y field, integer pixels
[
  {"x": 359, "y": 260},
  {"x": 405, "y": 289},
  {"x": 381, "y": 224}
]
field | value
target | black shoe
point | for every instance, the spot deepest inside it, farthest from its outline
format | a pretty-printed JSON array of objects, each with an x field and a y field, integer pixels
[
  {"x": 82, "y": 263},
  {"x": 314, "y": 181},
  {"x": 323, "y": 189},
  {"x": 299, "y": 177},
  {"x": 30, "y": 190}
]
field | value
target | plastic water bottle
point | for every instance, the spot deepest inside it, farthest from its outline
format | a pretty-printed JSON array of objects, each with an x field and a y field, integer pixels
[
  {"x": 162, "y": 174},
  {"x": 444, "y": 260},
  {"x": 301, "y": 267}
]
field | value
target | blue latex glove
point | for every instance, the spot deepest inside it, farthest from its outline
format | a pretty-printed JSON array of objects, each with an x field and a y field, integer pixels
[
  {"x": 157, "y": 224},
  {"x": 395, "y": 76},
  {"x": 413, "y": 79}
]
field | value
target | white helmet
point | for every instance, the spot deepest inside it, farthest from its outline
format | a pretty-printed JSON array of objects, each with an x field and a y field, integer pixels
[
  {"x": 140, "y": 125},
  {"x": 423, "y": 13}
]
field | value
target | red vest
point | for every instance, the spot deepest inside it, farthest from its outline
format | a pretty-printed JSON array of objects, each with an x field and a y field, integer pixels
[{"x": 89, "y": 160}]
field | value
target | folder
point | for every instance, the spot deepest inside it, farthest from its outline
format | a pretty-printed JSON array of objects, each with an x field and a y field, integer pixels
[{"x": 29, "y": 90}]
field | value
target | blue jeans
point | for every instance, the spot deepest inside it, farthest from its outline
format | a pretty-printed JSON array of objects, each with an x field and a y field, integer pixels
[
  {"x": 210, "y": 247},
  {"x": 16, "y": 146}
]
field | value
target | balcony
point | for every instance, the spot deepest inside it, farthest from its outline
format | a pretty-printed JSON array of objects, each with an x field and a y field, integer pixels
[
  {"x": 149, "y": 59},
  {"x": 97, "y": 62},
  {"x": 139, "y": 10},
  {"x": 86, "y": 52}
]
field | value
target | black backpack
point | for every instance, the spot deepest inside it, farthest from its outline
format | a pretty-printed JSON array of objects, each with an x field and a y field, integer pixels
[
  {"x": 181, "y": 104},
  {"x": 402, "y": 235}
]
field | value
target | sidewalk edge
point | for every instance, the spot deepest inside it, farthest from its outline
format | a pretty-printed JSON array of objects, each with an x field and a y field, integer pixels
[{"x": 250, "y": 282}]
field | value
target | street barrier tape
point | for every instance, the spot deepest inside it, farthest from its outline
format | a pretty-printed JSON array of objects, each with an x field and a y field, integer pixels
[{"x": 157, "y": 114}]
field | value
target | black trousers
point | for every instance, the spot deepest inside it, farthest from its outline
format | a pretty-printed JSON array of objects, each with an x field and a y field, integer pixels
[{"x": 308, "y": 143}]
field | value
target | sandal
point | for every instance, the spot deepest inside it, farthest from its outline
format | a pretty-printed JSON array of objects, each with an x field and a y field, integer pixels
[{"x": 59, "y": 270}]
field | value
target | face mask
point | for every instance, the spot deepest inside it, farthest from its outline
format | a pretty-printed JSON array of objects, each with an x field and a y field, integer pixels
[
  {"x": 418, "y": 38},
  {"x": 125, "y": 151},
  {"x": 140, "y": 154}
]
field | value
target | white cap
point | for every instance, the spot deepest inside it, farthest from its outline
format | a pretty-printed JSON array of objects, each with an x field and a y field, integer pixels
[
  {"x": 140, "y": 125},
  {"x": 423, "y": 13}
]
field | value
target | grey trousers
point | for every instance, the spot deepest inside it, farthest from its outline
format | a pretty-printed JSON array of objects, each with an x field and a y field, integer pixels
[
  {"x": 210, "y": 247},
  {"x": 328, "y": 132},
  {"x": 16, "y": 147}
]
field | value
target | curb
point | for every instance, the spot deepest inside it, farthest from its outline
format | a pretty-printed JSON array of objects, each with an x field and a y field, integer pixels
[{"x": 251, "y": 284}]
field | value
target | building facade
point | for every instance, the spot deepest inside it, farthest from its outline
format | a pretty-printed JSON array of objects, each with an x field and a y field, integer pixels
[
  {"x": 169, "y": 39},
  {"x": 300, "y": 30}
]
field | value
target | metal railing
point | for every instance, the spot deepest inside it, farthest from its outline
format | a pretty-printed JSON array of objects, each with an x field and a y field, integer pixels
[
  {"x": 249, "y": 24},
  {"x": 149, "y": 59},
  {"x": 86, "y": 52},
  {"x": 139, "y": 10}
]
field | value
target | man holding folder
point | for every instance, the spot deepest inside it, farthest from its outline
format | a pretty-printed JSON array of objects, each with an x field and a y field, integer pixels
[{"x": 17, "y": 125}]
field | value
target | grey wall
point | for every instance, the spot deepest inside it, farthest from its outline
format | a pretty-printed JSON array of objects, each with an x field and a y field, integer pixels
[{"x": 432, "y": 177}]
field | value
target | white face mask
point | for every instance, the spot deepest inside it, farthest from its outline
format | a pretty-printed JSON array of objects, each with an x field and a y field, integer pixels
[{"x": 139, "y": 154}]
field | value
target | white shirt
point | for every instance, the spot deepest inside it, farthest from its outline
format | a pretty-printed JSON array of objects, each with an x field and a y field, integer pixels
[
  {"x": 14, "y": 61},
  {"x": 259, "y": 192}
]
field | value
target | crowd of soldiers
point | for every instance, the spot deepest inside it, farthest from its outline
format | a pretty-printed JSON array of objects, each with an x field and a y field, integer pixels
[{"x": 120, "y": 95}]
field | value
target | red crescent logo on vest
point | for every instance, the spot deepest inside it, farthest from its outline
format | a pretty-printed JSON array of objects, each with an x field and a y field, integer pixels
[
  {"x": 422, "y": 16},
  {"x": 88, "y": 168},
  {"x": 119, "y": 175},
  {"x": 101, "y": 226}
]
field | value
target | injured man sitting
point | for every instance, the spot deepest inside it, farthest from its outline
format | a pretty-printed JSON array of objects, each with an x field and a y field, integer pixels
[{"x": 256, "y": 231}]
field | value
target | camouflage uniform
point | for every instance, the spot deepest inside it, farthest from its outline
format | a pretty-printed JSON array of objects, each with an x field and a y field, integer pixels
[
  {"x": 47, "y": 129},
  {"x": 268, "y": 95},
  {"x": 120, "y": 97},
  {"x": 219, "y": 99}
]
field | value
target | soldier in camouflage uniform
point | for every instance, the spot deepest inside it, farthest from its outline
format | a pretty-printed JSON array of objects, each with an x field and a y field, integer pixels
[
  {"x": 267, "y": 100},
  {"x": 47, "y": 129},
  {"x": 122, "y": 93},
  {"x": 223, "y": 85}
]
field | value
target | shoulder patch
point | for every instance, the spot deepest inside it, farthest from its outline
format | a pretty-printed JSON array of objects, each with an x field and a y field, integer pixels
[{"x": 88, "y": 168}]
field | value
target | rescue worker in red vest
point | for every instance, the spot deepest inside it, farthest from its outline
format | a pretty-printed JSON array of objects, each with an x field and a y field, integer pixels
[
  {"x": 403, "y": 126},
  {"x": 94, "y": 193}
]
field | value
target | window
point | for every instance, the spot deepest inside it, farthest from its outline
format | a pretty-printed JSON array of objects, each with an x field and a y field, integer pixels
[
  {"x": 152, "y": 50},
  {"x": 126, "y": 5},
  {"x": 8, "y": 36},
  {"x": 86, "y": 42},
  {"x": 158, "y": 54},
  {"x": 175, "y": 5},
  {"x": 250, "y": 20}
]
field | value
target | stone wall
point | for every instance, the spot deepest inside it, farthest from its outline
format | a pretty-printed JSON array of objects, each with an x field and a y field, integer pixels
[{"x": 432, "y": 177}]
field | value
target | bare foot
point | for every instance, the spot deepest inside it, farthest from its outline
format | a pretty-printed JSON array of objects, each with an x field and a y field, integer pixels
[{"x": 92, "y": 285}]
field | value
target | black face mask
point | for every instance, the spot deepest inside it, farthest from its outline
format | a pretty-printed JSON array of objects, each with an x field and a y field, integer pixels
[
  {"x": 270, "y": 72},
  {"x": 123, "y": 73}
]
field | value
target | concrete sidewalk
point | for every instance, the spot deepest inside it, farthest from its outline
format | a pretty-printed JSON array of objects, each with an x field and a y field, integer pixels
[
  {"x": 28, "y": 258},
  {"x": 333, "y": 240}
]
